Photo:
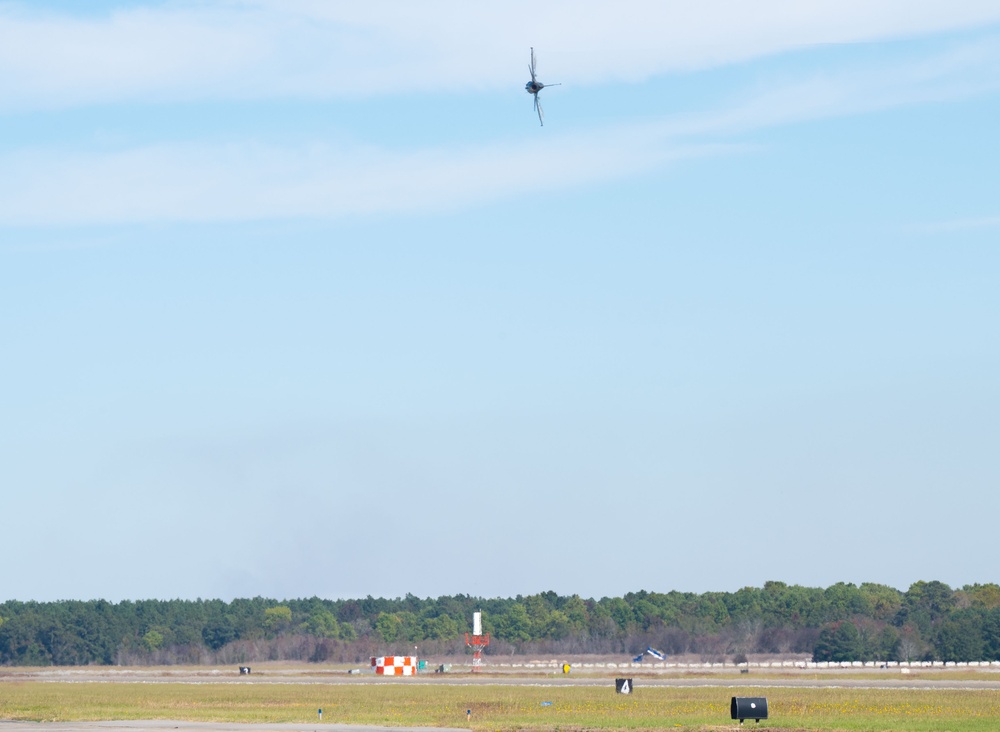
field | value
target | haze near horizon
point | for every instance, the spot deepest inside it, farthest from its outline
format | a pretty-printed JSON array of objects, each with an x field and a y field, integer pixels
[{"x": 298, "y": 299}]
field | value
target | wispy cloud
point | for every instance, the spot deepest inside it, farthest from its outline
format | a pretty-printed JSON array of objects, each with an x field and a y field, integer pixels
[
  {"x": 963, "y": 71},
  {"x": 957, "y": 225},
  {"x": 201, "y": 182},
  {"x": 311, "y": 48},
  {"x": 247, "y": 182}
]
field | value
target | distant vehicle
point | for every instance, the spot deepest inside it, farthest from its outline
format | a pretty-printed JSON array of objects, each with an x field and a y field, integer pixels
[{"x": 534, "y": 86}]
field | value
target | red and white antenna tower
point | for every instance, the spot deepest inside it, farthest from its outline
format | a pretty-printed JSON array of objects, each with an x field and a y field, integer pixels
[{"x": 477, "y": 641}]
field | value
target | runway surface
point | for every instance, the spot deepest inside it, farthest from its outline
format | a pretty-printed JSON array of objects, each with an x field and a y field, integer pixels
[{"x": 828, "y": 679}]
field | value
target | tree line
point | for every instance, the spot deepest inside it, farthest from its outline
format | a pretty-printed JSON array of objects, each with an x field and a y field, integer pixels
[{"x": 843, "y": 622}]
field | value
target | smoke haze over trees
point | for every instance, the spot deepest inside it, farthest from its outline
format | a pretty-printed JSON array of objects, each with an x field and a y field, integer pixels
[{"x": 843, "y": 622}]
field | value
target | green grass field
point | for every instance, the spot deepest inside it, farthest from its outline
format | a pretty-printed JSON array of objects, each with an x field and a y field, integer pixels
[{"x": 501, "y": 707}]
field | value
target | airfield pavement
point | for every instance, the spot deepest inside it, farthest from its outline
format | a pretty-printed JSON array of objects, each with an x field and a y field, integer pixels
[{"x": 869, "y": 678}]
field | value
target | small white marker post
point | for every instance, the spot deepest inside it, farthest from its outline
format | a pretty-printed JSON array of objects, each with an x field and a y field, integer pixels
[{"x": 320, "y": 715}]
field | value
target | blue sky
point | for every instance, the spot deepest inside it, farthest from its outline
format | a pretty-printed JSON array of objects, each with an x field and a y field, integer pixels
[{"x": 297, "y": 298}]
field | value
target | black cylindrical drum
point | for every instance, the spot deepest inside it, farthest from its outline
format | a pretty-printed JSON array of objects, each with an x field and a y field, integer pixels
[{"x": 749, "y": 707}]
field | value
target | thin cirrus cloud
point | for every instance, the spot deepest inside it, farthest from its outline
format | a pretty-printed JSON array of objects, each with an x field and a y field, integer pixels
[
  {"x": 981, "y": 223},
  {"x": 247, "y": 182},
  {"x": 264, "y": 48},
  {"x": 203, "y": 182},
  {"x": 202, "y": 49},
  {"x": 963, "y": 71}
]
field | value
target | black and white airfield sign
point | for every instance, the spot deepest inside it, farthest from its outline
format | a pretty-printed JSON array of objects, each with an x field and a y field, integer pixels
[{"x": 623, "y": 686}]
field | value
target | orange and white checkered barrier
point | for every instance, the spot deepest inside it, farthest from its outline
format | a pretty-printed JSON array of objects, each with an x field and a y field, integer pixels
[{"x": 394, "y": 665}]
